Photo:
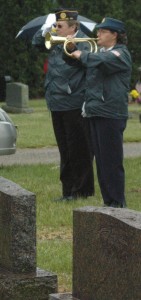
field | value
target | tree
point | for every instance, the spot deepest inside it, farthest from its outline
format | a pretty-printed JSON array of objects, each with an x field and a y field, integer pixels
[
  {"x": 132, "y": 19},
  {"x": 19, "y": 59}
]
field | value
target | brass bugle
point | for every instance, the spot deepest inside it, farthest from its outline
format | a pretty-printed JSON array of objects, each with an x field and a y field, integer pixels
[{"x": 53, "y": 40}]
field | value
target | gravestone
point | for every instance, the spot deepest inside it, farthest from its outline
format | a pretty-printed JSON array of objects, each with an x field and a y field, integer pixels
[
  {"x": 64, "y": 296},
  {"x": 19, "y": 277},
  {"x": 106, "y": 254},
  {"x": 17, "y": 98}
]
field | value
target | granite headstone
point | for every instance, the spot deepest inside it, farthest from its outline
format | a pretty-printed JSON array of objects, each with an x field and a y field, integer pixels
[
  {"x": 106, "y": 254},
  {"x": 17, "y": 98},
  {"x": 20, "y": 279}
]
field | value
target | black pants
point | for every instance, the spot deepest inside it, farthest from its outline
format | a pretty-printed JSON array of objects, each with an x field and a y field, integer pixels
[
  {"x": 107, "y": 138},
  {"x": 72, "y": 133}
]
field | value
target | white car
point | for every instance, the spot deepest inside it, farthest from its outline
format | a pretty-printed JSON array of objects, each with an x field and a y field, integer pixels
[{"x": 8, "y": 134}]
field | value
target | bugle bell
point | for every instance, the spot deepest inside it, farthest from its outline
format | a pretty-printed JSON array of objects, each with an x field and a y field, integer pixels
[{"x": 54, "y": 40}]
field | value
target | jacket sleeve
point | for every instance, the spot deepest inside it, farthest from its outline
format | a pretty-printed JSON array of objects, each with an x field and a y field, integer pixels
[
  {"x": 38, "y": 41},
  {"x": 110, "y": 62},
  {"x": 72, "y": 61}
]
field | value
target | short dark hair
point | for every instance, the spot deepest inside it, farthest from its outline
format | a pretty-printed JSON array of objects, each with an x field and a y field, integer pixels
[
  {"x": 122, "y": 38},
  {"x": 73, "y": 22}
]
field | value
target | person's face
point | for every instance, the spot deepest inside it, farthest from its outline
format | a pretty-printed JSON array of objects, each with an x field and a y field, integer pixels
[
  {"x": 106, "y": 38},
  {"x": 63, "y": 29}
]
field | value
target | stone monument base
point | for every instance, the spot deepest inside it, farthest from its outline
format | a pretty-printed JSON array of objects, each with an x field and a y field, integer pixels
[
  {"x": 33, "y": 286},
  {"x": 17, "y": 110},
  {"x": 62, "y": 296}
]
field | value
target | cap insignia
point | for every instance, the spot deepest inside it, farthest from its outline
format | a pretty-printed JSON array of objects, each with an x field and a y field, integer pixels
[{"x": 63, "y": 15}]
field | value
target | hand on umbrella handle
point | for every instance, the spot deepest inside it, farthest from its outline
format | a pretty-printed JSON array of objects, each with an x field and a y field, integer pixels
[
  {"x": 47, "y": 26},
  {"x": 45, "y": 29},
  {"x": 50, "y": 20}
]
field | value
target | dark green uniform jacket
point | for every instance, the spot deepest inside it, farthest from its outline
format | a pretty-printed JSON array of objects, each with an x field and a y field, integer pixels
[
  {"x": 107, "y": 82},
  {"x": 64, "y": 84}
]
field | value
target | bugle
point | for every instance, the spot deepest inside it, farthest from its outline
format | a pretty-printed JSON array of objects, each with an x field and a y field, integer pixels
[{"x": 54, "y": 40}]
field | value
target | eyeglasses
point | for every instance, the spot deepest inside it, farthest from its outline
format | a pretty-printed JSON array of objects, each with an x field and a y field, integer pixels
[{"x": 57, "y": 26}]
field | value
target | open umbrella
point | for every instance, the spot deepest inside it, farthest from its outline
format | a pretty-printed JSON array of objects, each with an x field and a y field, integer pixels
[{"x": 28, "y": 30}]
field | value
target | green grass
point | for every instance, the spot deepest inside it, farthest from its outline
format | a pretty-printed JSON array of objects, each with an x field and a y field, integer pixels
[
  {"x": 54, "y": 220},
  {"x": 35, "y": 129},
  {"x": 133, "y": 129}
]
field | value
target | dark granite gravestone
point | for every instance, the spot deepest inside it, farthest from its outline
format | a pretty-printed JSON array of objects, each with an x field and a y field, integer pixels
[
  {"x": 64, "y": 296},
  {"x": 17, "y": 98},
  {"x": 19, "y": 277},
  {"x": 106, "y": 254}
]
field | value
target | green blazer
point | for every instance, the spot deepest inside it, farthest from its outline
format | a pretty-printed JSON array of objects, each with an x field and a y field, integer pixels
[
  {"x": 107, "y": 82},
  {"x": 64, "y": 83}
]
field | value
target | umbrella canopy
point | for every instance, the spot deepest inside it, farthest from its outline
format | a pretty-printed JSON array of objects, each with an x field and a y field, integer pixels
[
  {"x": 28, "y": 30},
  {"x": 87, "y": 25}
]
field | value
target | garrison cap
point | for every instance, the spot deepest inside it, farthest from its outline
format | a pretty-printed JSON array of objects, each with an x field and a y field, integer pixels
[
  {"x": 112, "y": 24},
  {"x": 66, "y": 14}
]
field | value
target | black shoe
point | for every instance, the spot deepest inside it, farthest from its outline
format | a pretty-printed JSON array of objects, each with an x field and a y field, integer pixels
[
  {"x": 71, "y": 198},
  {"x": 59, "y": 199},
  {"x": 65, "y": 198},
  {"x": 118, "y": 205},
  {"x": 105, "y": 205}
]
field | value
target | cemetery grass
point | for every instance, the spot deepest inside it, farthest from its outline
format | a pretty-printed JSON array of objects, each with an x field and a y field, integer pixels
[
  {"x": 35, "y": 130},
  {"x": 55, "y": 219}
]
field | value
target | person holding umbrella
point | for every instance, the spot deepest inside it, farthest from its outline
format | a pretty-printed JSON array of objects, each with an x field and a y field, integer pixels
[
  {"x": 65, "y": 89},
  {"x": 106, "y": 105}
]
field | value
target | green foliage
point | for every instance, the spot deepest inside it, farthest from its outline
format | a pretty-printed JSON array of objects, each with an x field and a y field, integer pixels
[
  {"x": 18, "y": 58},
  {"x": 134, "y": 41}
]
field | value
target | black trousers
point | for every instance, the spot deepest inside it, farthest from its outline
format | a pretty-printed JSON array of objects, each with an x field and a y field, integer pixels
[
  {"x": 107, "y": 138},
  {"x": 72, "y": 133}
]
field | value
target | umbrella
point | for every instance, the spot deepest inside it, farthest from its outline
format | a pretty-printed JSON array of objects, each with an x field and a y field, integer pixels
[
  {"x": 28, "y": 30},
  {"x": 87, "y": 25}
]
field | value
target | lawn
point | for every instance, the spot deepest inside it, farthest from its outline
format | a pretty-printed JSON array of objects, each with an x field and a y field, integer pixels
[
  {"x": 35, "y": 129},
  {"x": 54, "y": 220}
]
